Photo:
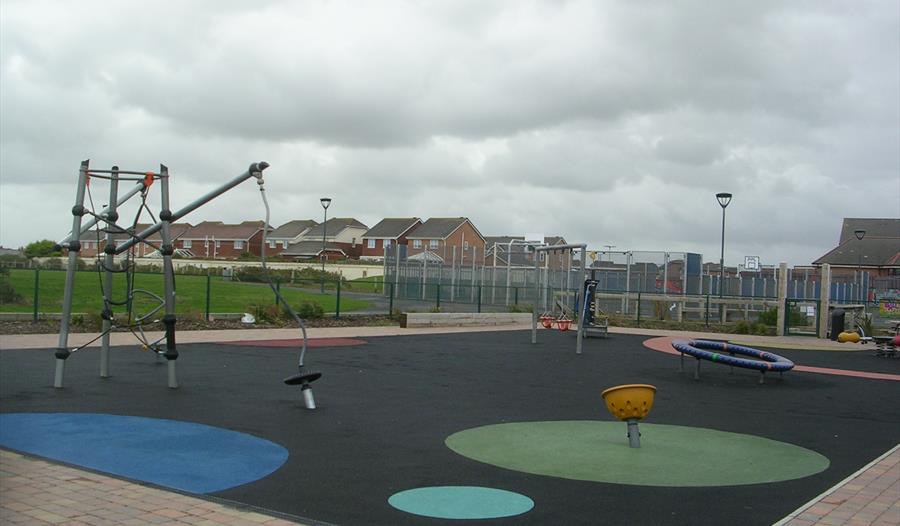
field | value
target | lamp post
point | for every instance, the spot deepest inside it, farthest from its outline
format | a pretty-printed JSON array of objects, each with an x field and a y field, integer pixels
[
  {"x": 724, "y": 198},
  {"x": 860, "y": 234},
  {"x": 326, "y": 202}
]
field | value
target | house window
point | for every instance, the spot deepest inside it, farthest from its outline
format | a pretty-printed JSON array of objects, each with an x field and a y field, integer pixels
[
  {"x": 284, "y": 244},
  {"x": 465, "y": 245},
  {"x": 417, "y": 243},
  {"x": 433, "y": 243},
  {"x": 238, "y": 244},
  {"x": 218, "y": 244},
  {"x": 387, "y": 244},
  {"x": 186, "y": 243},
  {"x": 370, "y": 243},
  {"x": 273, "y": 244}
]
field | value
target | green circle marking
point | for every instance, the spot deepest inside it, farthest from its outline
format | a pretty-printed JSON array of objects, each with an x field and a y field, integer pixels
[{"x": 674, "y": 456}]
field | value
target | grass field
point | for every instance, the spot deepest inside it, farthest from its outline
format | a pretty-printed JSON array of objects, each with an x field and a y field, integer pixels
[{"x": 225, "y": 296}]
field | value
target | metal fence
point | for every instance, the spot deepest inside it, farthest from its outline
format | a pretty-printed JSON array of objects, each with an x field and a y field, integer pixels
[{"x": 642, "y": 292}]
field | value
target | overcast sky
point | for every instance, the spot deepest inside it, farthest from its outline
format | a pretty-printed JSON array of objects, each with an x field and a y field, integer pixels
[{"x": 610, "y": 123}]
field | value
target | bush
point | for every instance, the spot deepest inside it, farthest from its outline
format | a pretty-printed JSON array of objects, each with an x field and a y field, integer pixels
[
  {"x": 761, "y": 329},
  {"x": 8, "y": 294},
  {"x": 42, "y": 248},
  {"x": 770, "y": 317},
  {"x": 742, "y": 327},
  {"x": 310, "y": 310},
  {"x": 520, "y": 308},
  {"x": 266, "y": 313}
]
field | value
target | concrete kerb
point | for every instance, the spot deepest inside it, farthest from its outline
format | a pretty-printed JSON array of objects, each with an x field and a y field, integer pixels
[{"x": 49, "y": 341}]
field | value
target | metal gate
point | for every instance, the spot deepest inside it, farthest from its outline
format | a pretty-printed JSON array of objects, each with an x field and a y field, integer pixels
[{"x": 801, "y": 317}]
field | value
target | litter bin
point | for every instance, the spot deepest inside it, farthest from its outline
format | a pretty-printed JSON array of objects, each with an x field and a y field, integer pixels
[{"x": 837, "y": 323}]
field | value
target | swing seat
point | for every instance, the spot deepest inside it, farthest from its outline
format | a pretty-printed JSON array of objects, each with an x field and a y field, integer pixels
[
  {"x": 302, "y": 378},
  {"x": 547, "y": 321},
  {"x": 564, "y": 324}
]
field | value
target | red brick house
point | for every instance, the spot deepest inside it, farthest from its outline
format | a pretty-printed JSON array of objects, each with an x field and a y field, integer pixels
[
  {"x": 388, "y": 232},
  {"x": 217, "y": 240},
  {"x": 446, "y": 238},
  {"x": 91, "y": 245},
  {"x": 342, "y": 238},
  {"x": 519, "y": 256}
]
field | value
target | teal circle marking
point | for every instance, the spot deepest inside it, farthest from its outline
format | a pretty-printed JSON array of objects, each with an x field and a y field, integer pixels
[
  {"x": 461, "y": 502},
  {"x": 674, "y": 456}
]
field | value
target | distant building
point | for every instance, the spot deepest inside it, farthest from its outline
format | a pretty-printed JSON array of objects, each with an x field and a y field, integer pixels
[
  {"x": 291, "y": 232},
  {"x": 389, "y": 232},
  {"x": 341, "y": 237},
  {"x": 217, "y": 240},
  {"x": 450, "y": 239},
  {"x": 878, "y": 253}
]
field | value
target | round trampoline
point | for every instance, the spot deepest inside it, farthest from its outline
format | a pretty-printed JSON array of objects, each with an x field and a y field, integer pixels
[{"x": 714, "y": 351}]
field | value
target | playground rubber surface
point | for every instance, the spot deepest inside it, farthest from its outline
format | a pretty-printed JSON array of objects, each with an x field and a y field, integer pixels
[{"x": 386, "y": 410}]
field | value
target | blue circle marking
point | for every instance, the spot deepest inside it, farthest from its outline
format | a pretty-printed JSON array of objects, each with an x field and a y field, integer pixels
[
  {"x": 182, "y": 455},
  {"x": 461, "y": 502}
]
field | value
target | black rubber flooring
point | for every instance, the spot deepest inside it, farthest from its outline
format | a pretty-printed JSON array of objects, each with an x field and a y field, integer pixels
[{"x": 385, "y": 409}]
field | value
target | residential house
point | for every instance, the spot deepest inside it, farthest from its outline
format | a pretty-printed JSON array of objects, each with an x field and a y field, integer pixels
[
  {"x": 452, "y": 239},
  {"x": 388, "y": 232},
  {"x": 93, "y": 242},
  {"x": 290, "y": 232},
  {"x": 217, "y": 240},
  {"x": 511, "y": 251},
  {"x": 338, "y": 238}
]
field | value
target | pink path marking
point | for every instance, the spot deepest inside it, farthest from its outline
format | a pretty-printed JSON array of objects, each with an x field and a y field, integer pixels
[
  {"x": 297, "y": 342},
  {"x": 664, "y": 344}
]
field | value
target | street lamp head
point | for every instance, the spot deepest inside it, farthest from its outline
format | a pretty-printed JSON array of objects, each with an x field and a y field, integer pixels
[
  {"x": 860, "y": 234},
  {"x": 724, "y": 198},
  {"x": 325, "y": 202}
]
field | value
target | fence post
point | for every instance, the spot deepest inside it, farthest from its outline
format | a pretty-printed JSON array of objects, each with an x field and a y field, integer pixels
[
  {"x": 516, "y": 302},
  {"x": 129, "y": 300},
  {"x": 707, "y": 310},
  {"x": 277, "y": 290},
  {"x": 479, "y": 298},
  {"x": 391, "y": 302},
  {"x": 438, "y": 295},
  {"x": 638, "y": 309},
  {"x": 37, "y": 297},
  {"x": 337, "y": 304},
  {"x": 208, "y": 286}
]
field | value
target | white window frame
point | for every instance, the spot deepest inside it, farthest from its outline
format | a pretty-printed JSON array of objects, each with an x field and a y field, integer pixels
[
  {"x": 417, "y": 243},
  {"x": 465, "y": 245},
  {"x": 273, "y": 244},
  {"x": 433, "y": 243},
  {"x": 370, "y": 243},
  {"x": 185, "y": 243},
  {"x": 218, "y": 244},
  {"x": 238, "y": 244}
]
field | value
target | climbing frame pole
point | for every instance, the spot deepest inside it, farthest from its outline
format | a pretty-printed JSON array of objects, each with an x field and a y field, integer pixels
[
  {"x": 62, "y": 347},
  {"x": 108, "y": 261}
]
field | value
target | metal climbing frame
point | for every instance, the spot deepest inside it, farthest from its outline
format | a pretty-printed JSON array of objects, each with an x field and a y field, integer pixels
[
  {"x": 538, "y": 288},
  {"x": 109, "y": 216}
]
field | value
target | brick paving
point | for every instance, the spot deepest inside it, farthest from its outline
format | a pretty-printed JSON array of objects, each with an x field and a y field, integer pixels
[
  {"x": 38, "y": 492},
  {"x": 870, "y": 497}
]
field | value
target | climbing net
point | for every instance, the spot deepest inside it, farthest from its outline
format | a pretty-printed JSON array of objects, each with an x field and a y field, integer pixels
[{"x": 110, "y": 230}]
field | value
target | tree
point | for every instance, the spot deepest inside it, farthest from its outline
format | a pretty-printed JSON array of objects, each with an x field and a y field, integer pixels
[{"x": 42, "y": 248}]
